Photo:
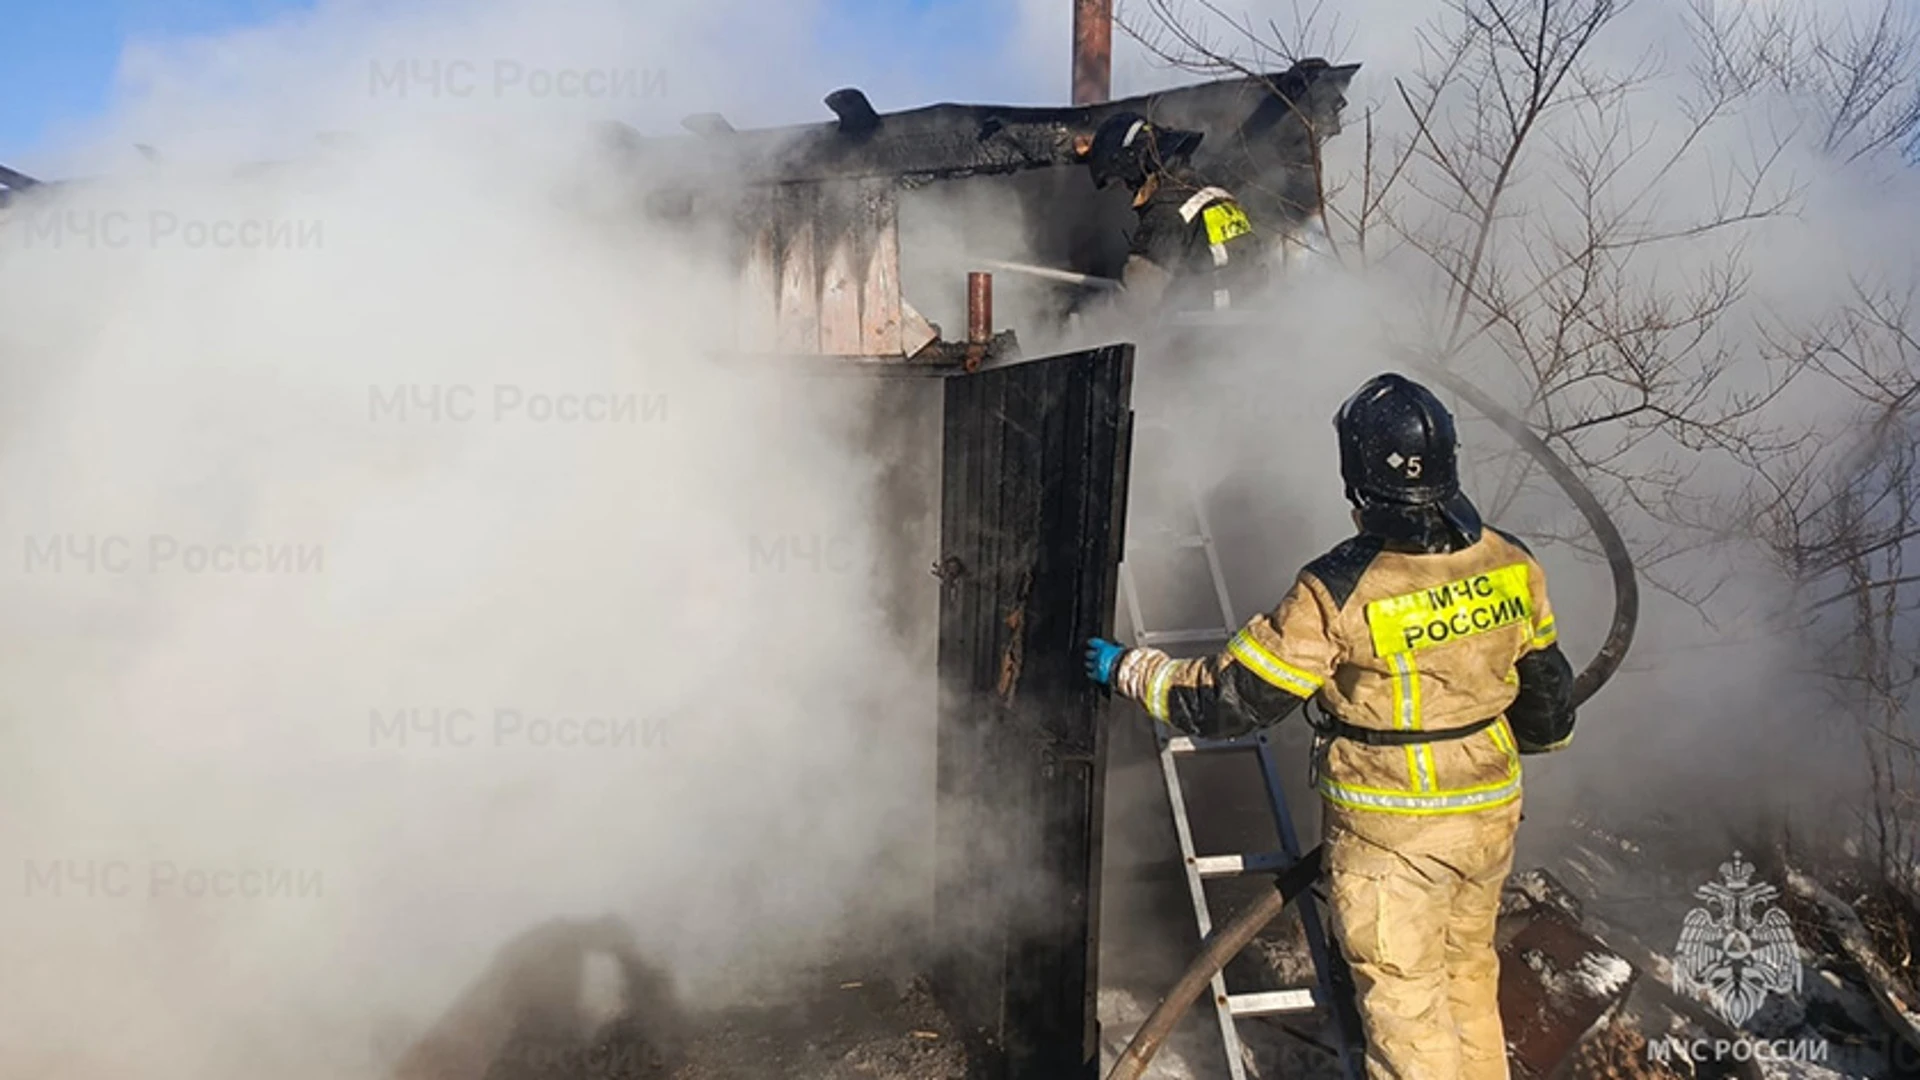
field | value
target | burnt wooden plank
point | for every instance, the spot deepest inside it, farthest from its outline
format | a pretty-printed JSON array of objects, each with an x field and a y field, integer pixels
[
  {"x": 840, "y": 228},
  {"x": 1031, "y": 512},
  {"x": 965, "y": 824},
  {"x": 759, "y": 295},
  {"x": 916, "y": 332},
  {"x": 880, "y": 281},
  {"x": 799, "y": 329}
]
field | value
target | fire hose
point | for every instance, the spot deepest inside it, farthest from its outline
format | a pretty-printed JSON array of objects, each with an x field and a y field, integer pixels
[{"x": 1227, "y": 942}]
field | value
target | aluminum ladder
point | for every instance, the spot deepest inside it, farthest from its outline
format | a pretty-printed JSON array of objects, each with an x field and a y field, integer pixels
[{"x": 1200, "y": 869}]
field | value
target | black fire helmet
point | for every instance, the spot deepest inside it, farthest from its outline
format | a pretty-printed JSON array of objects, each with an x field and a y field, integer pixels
[
  {"x": 1127, "y": 147},
  {"x": 1399, "y": 458}
]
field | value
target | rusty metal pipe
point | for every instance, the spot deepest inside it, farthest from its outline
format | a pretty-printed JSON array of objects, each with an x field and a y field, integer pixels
[
  {"x": 979, "y": 308},
  {"x": 979, "y": 317},
  {"x": 1092, "y": 51}
]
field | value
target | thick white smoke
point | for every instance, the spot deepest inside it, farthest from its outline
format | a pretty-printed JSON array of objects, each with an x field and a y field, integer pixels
[
  {"x": 246, "y": 540},
  {"x": 394, "y": 566}
]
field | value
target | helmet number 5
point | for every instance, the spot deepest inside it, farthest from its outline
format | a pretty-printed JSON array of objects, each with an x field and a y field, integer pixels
[{"x": 1413, "y": 468}]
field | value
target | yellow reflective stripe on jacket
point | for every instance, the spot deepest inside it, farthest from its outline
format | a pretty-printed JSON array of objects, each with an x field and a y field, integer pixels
[
  {"x": 1273, "y": 670},
  {"x": 1406, "y": 717},
  {"x": 1156, "y": 699},
  {"x": 1402, "y": 802},
  {"x": 1544, "y": 634},
  {"x": 1504, "y": 739}
]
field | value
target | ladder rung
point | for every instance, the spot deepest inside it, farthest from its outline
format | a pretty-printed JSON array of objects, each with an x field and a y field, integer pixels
[
  {"x": 1226, "y": 866},
  {"x": 1186, "y": 744},
  {"x": 1185, "y": 637},
  {"x": 1272, "y": 1003}
]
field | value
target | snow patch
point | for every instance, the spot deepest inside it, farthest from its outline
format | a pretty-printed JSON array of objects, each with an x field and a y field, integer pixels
[
  {"x": 1121, "y": 1014},
  {"x": 1602, "y": 974}
]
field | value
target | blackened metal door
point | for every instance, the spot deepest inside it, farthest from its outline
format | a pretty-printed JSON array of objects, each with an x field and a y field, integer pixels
[{"x": 1032, "y": 510}]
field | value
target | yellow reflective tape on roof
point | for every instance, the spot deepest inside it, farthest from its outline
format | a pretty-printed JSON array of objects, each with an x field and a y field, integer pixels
[{"x": 1451, "y": 612}]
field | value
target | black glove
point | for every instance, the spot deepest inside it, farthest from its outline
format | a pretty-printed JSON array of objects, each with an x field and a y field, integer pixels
[{"x": 1542, "y": 715}]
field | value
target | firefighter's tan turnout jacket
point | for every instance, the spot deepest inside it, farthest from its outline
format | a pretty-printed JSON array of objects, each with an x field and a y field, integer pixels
[{"x": 1387, "y": 641}]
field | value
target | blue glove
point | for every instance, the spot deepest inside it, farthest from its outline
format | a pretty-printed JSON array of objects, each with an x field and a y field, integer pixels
[{"x": 1102, "y": 657}]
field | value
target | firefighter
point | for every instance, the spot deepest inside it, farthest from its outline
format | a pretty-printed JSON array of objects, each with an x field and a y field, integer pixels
[
  {"x": 1194, "y": 247},
  {"x": 1427, "y": 645}
]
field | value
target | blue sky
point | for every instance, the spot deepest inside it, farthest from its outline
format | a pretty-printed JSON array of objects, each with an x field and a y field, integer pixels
[{"x": 60, "y": 55}]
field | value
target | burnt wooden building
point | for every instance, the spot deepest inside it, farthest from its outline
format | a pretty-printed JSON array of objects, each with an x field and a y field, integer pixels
[
  {"x": 836, "y": 231},
  {"x": 841, "y": 247}
]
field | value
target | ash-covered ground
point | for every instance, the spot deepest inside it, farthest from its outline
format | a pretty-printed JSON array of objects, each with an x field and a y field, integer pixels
[
  {"x": 841, "y": 1022},
  {"x": 849, "y": 1029}
]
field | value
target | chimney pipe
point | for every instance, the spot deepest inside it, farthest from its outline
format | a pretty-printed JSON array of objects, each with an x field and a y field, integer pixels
[
  {"x": 1092, "y": 51},
  {"x": 979, "y": 317}
]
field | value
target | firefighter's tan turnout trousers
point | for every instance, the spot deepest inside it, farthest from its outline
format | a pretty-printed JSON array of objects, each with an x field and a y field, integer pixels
[{"x": 1414, "y": 902}]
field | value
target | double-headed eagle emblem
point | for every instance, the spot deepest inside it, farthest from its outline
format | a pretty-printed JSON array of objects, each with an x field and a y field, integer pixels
[{"x": 1738, "y": 948}]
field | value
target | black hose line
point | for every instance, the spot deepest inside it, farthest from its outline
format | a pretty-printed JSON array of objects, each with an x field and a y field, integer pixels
[
  {"x": 1226, "y": 942},
  {"x": 1626, "y": 585}
]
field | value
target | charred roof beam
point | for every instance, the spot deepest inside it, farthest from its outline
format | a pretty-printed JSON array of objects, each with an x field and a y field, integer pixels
[
  {"x": 1271, "y": 118},
  {"x": 16, "y": 181}
]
